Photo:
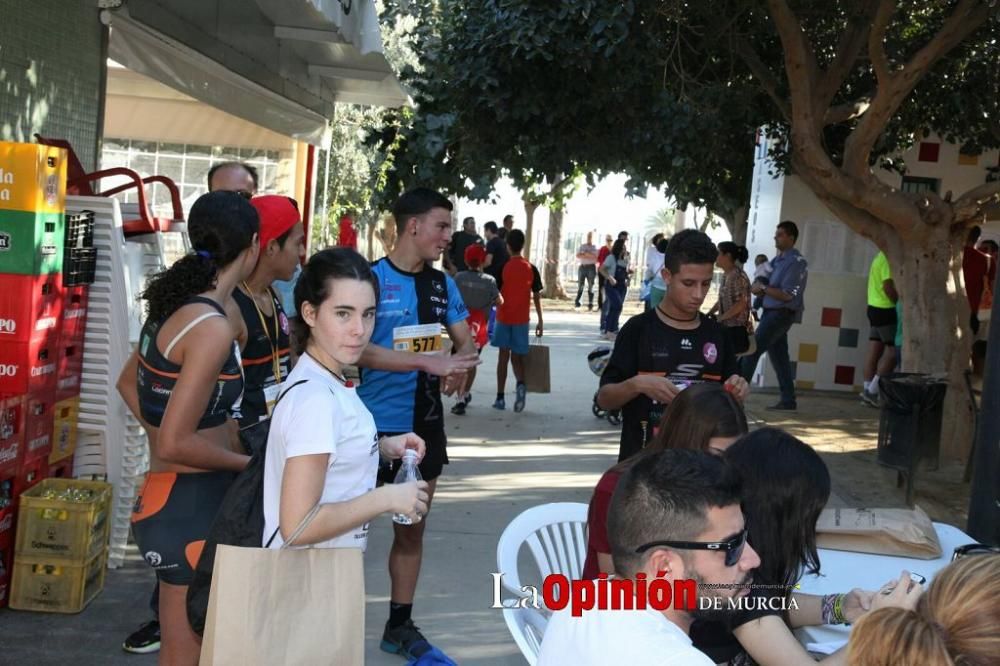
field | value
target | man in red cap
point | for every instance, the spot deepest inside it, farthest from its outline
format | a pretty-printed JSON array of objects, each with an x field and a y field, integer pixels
[
  {"x": 480, "y": 293},
  {"x": 264, "y": 339}
]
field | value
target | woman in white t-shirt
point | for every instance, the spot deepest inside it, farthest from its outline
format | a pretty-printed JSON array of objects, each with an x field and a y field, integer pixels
[{"x": 322, "y": 447}]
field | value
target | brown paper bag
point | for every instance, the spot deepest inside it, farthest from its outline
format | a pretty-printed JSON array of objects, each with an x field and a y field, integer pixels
[
  {"x": 537, "y": 377},
  {"x": 285, "y": 606},
  {"x": 903, "y": 532}
]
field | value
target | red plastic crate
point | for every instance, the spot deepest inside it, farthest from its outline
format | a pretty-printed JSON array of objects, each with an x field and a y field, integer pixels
[
  {"x": 75, "y": 301},
  {"x": 39, "y": 424},
  {"x": 31, "y": 306},
  {"x": 8, "y": 509},
  {"x": 62, "y": 469},
  {"x": 29, "y": 366},
  {"x": 70, "y": 368},
  {"x": 31, "y": 473},
  {"x": 6, "y": 566},
  {"x": 11, "y": 433},
  {"x": 7, "y": 526}
]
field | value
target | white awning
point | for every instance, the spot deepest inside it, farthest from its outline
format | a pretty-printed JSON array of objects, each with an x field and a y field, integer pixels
[{"x": 280, "y": 64}]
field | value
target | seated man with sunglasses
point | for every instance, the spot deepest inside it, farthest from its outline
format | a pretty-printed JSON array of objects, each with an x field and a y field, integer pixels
[{"x": 675, "y": 515}]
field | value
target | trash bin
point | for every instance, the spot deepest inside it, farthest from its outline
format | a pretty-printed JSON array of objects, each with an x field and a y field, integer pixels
[{"x": 910, "y": 422}]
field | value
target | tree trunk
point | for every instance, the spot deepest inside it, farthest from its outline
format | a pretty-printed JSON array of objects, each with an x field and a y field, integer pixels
[
  {"x": 370, "y": 239},
  {"x": 530, "y": 206},
  {"x": 738, "y": 224},
  {"x": 553, "y": 254},
  {"x": 936, "y": 335}
]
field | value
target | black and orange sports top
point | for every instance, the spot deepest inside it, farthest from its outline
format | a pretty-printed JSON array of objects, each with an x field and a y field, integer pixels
[
  {"x": 157, "y": 375},
  {"x": 266, "y": 357}
]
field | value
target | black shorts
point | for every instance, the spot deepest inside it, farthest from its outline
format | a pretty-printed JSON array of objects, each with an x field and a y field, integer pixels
[
  {"x": 171, "y": 518},
  {"x": 883, "y": 325},
  {"x": 435, "y": 458}
]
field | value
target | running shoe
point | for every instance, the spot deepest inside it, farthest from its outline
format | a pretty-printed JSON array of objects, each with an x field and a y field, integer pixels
[
  {"x": 500, "y": 403},
  {"x": 870, "y": 398},
  {"x": 144, "y": 640},
  {"x": 404, "y": 640},
  {"x": 459, "y": 408},
  {"x": 520, "y": 394}
]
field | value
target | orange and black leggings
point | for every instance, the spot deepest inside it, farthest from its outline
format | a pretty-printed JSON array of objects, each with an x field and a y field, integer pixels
[{"x": 171, "y": 519}]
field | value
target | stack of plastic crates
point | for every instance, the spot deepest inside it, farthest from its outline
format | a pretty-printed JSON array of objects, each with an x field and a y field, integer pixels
[{"x": 61, "y": 550}]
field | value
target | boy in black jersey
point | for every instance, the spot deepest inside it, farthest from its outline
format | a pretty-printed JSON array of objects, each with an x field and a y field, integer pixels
[{"x": 661, "y": 352}]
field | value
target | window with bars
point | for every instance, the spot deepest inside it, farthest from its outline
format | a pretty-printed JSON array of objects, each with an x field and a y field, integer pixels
[
  {"x": 917, "y": 184},
  {"x": 187, "y": 165}
]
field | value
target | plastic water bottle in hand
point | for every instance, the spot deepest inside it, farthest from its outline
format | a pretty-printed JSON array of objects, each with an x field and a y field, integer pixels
[{"x": 408, "y": 472}]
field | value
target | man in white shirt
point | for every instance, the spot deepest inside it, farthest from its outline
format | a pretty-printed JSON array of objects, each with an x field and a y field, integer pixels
[
  {"x": 675, "y": 515},
  {"x": 586, "y": 257}
]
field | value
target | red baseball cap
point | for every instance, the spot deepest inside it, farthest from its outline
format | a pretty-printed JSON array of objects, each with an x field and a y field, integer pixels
[
  {"x": 277, "y": 215},
  {"x": 475, "y": 255}
]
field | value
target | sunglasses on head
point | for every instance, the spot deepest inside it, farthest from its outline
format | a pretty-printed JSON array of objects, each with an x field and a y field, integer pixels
[
  {"x": 974, "y": 549},
  {"x": 732, "y": 547}
]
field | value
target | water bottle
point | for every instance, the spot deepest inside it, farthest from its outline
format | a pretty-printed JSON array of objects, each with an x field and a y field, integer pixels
[{"x": 408, "y": 472}]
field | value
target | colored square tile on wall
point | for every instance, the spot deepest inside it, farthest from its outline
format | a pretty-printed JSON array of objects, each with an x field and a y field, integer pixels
[
  {"x": 844, "y": 375},
  {"x": 848, "y": 337},
  {"x": 831, "y": 317},
  {"x": 804, "y": 385},
  {"x": 968, "y": 160},
  {"x": 929, "y": 151},
  {"x": 808, "y": 353}
]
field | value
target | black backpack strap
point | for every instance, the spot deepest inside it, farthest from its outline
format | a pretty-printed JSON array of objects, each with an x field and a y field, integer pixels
[{"x": 283, "y": 394}]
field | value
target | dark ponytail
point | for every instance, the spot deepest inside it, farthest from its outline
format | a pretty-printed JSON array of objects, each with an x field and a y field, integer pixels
[
  {"x": 221, "y": 226},
  {"x": 739, "y": 253},
  {"x": 313, "y": 287}
]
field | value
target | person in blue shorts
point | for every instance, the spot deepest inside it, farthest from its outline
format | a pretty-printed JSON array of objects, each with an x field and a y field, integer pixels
[
  {"x": 521, "y": 283},
  {"x": 404, "y": 371}
]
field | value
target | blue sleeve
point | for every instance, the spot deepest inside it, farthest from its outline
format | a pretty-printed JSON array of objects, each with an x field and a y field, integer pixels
[
  {"x": 456, "y": 306},
  {"x": 793, "y": 278}
]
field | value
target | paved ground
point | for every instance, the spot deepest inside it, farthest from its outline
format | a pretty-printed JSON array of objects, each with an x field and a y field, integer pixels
[{"x": 502, "y": 463}]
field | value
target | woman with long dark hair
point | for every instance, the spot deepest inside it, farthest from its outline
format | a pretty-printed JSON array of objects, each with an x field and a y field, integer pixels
[
  {"x": 785, "y": 487},
  {"x": 184, "y": 382},
  {"x": 733, "y": 308},
  {"x": 615, "y": 273},
  {"x": 703, "y": 417}
]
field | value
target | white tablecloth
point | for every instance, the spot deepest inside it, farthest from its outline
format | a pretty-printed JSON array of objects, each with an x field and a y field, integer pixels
[{"x": 842, "y": 571}]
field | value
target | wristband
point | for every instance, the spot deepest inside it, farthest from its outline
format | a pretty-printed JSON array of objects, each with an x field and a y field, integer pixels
[
  {"x": 838, "y": 610},
  {"x": 826, "y": 612}
]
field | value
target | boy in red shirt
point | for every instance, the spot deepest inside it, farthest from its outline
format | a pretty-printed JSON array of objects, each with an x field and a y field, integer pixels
[{"x": 520, "y": 282}]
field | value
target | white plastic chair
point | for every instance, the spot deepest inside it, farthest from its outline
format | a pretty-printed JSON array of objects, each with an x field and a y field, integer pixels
[
  {"x": 527, "y": 626},
  {"x": 556, "y": 536}
]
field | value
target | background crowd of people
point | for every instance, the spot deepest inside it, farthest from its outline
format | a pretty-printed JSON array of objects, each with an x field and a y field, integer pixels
[{"x": 694, "y": 495}]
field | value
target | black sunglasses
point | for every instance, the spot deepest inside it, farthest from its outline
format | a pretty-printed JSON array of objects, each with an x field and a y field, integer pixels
[
  {"x": 974, "y": 549},
  {"x": 733, "y": 547}
]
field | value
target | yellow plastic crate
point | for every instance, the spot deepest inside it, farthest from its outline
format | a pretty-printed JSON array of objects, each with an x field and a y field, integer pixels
[
  {"x": 56, "y": 585},
  {"x": 67, "y": 413},
  {"x": 32, "y": 178},
  {"x": 49, "y": 524}
]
